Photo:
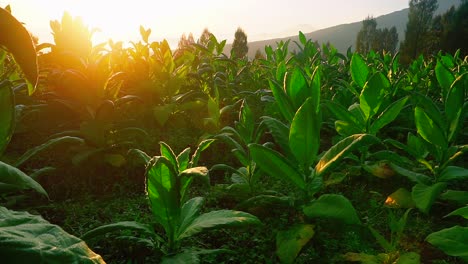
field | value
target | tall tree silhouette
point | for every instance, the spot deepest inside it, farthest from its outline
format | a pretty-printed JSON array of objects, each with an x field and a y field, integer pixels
[
  {"x": 370, "y": 38},
  {"x": 418, "y": 29},
  {"x": 239, "y": 46},
  {"x": 205, "y": 37}
]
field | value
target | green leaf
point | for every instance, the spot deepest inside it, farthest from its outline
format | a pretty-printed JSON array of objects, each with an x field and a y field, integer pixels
[
  {"x": 27, "y": 238},
  {"x": 424, "y": 196},
  {"x": 276, "y": 165},
  {"x": 302, "y": 38},
  {"x": 50, "y": 143},
  {"x": 304, "y": 134},
  {"x": 246, "y": 125},
  {"x": 140, "y": 156},
  {"x": 444, "y": 77},
  {"x": 453, "y": 173},
  {"x": 297, "y": 88},
  {"x": 190, "y": 211},
  {"x": 7, "y": 114},
  {"x": 359, "y": 70},
  {"x": 463, "y": 212},
  {"x": 316, "y": 87},
  {"x": 332, "y": 206},
  {"x": 12, "y": 179},
  {"x": 101, "y": 231},
  {"x": 341, "y": 149},
  {"x": 459, "y": 197},
  {"x": 381, "y": 240},
  {"x": 372, "y": 94},
  {"x": 401, "y": 198},
  {"x": 388, "y": 115},
  {"x": 282, "y": 100},
  {"x": 18, "y": 41},
  {"x": 452, "y": 241},
  {"x": 183, "y": 159},
  {"x": 218, "y": 219},
  {"x": 168, "y": 153},
  {"x": 290, "y": 242},
  {"x": 341, "y": 113},
  {"x": 454, "y": 105},
  {"x": 164, "y": 197},
  {"x": 409, "y": 258},
  {"x": 413, "y": 176},
  {"x": 186, "y": 177},
  {"x": 202, "y": 146},
  {"x": 428, "y": 129},
  {"x": 280, "y": 133}
]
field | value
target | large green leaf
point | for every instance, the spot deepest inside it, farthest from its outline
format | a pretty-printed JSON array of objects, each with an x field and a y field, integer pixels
[
  {"x": 388, "y": 115},
  {"x": 19, "y": 42},
  {"x": 413, "y": 176},
  {"x": 359, "y": 70},
  {"x": 7, "y": 114},
  {"x": 290, "y": 242},
  {"x": 338, "y": 151},
  {"x": 26, "y": 238},
  {"x": 282, "y": 100},
  {"x": 454, "y": 105},
  {"x": 341, "y": 113},
  {"x": 304, "y": 134},
  {"x": 246, "y": 125},
  {"x": 453, "y": 241},
  {"x": 218, "y": 219},
  {"x": 12, "y": 179},
  {"x": 297, "y": 88},
  {"x": 444, "y": 77},
  {"x": 332, "y": 206},
  {"x": 428, "y": 129},
  {"x": 280, "y": 133},
  {"x": 168, "y": 153},
  {"x": 424, "y": 196},
  {"x": 164, "y": 197},
  {"x": 372, "y": 95},
  {"x": 190, "y": 211},
  {"x": 276, "y": 165},
  {"x": 186, "y": 177}
]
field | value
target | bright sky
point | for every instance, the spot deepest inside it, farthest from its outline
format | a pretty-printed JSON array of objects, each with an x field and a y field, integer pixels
[{"x": 260, "y": 19}]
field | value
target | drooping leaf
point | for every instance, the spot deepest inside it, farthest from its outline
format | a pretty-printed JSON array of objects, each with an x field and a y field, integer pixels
[
  {"x": 453, "y": 173},
  {"x": 304, "y": 134},
  {"x": 118, "y": 227},
  {"x": 463, "y": 212},
  {"x": 218, "y": 219},
  {"x": 290, "y": 242},
  {"x": 19, "y": 42},
  {"x": 453, "y": 241},
  {"x": 276, "y": 165},
  {"x": 187, "y": 176},
  {"x": 428, "y": 129},
  {"x": 459, "y": 197},
  {"x": 332, "y": 206},
  {"x": 50, "y": 143},
  {"x": 372, "y": 95},
  {"x": 338, "y": 151},
  {"x": 424, "y": 196},
  {"x": 12, "y": 179},
  {"x": 388, "y": 115},
  {"x": 27, "y": 238},
  {"x": 411, "y": 175},
  {"x": 359, "y": 70},
  {"x": 7, "y": 114},
  {"x": 140, "y": 156}
]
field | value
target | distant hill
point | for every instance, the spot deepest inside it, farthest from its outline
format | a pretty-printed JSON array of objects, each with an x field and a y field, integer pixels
[{"x": 344, "y": 36}]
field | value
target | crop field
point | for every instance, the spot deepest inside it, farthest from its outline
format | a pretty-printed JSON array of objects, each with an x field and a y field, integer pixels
[{"x": 143, "y": 154}]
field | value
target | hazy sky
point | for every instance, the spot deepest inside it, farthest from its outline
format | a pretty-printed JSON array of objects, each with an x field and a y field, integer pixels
[{"x": 260, "y": 19}]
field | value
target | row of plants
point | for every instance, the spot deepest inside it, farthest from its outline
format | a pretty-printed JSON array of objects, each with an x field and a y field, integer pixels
[{"x": 297, "y": 133}]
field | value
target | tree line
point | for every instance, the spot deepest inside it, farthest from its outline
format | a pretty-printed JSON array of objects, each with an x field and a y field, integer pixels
[{"x": 425, "y": 33}]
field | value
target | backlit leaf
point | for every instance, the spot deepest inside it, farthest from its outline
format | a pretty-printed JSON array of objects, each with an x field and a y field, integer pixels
[
  {"x": 359, "y": 70},
  {"x": 290, "y": 242},
  {"x": 332, "y": 206}
]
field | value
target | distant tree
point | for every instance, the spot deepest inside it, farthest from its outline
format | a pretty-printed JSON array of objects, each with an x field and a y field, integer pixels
[
  {"x": 366, "y": 36},
  {"x": 418, "y": 29},
  {"x": 205, "y": 37},
  {"x": 370, "y": 38},
  {"x": 239, "y": 46},
  {"x": 450, "y": 30},
  {"x": 185, "y": 43},
  {"x": 259, "y": 55}
]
